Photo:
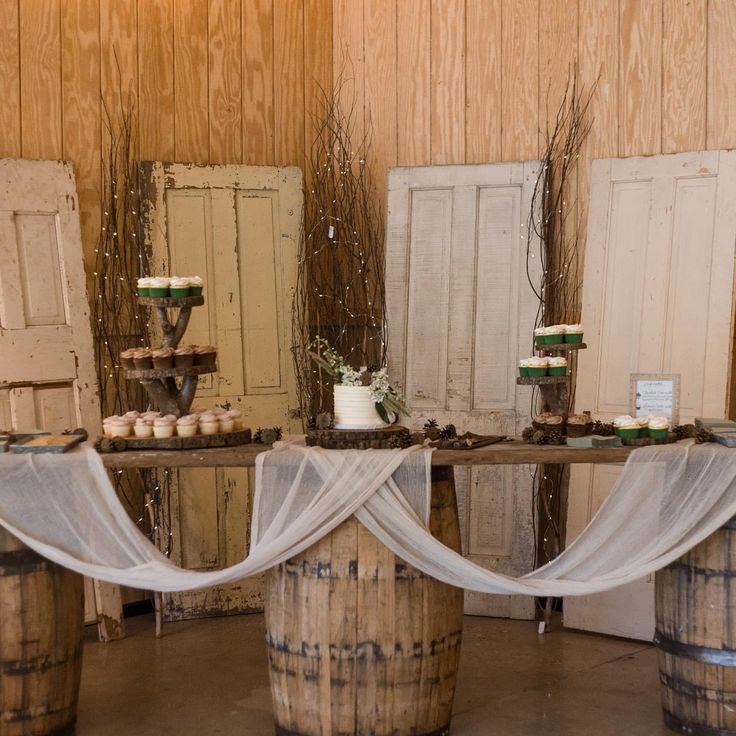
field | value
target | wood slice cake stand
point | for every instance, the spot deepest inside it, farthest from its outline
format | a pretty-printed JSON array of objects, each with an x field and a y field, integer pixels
[{"x": 357, "y": 439}]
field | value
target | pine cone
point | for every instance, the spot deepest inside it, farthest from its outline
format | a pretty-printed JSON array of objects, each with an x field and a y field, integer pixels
[
  {"x": 552, "y": 438},
  {"x": 527, "y": 434},
  {"x": 400, "y": 440},
  {"x": 312, "y": 422},
  {"x": 603, "y": 429},
  {"x": 538, "y": 437},
  {"x": 684, "y": 431},
  {"x": 258, "y": 436},
  {"x": 431, "y": 429},
  {"x": 448, "y": 432},
  {"x": 703, "y": 435},
  {"x": 110, "y": 444}
]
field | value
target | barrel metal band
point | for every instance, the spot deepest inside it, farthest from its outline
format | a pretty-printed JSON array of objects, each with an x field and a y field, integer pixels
[
  {"x": 708, "y": 655},
  {"x": 444, "y": 731},
  {"x": 693, "y": 729}
]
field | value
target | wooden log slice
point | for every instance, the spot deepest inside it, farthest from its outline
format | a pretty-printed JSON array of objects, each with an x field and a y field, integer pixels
[
  {"x": 541, "y": 380},
  {"x": 169, "y": 302},
  {"x": 198, "y": 442},
  {"x": 151, "y": 374},
  {"x": 41, "y": 625},
  {"x": 696, "y": 637},
  {"x": 359, "y": 641},
  {"x": 357, "y": 439},
  {"x": 560, "y": 347}
]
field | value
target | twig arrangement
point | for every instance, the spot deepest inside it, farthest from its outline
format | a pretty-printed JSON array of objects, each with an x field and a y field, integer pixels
[
  {"x": 555, "y": 219},
  {"x": 340, "y": 292},
  {"x": 118, "y": 321}
]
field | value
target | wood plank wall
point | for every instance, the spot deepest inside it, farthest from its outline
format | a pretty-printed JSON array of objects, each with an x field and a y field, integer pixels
[
  {"x": 441, "y": 81},
  {"x": 214, "y": 81}
]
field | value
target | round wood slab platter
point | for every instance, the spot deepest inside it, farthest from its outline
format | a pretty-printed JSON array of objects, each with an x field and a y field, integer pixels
[
  {"x": 540, "y": 380},
  {"x": 561, "y": 347},
  {"x": 198, "y": 442},
  {"x": 150, "y": 374},
  {"x": 356, "y": 439},
  {"x": 184, "y": 302}
]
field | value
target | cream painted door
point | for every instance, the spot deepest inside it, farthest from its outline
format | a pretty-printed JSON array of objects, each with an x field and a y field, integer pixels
[
  {"x": 237, "y": 227},
  {"x": 47, "y": 373},
  {"x": 460, "y": 315},
  {"x": 657, "y": 298}
]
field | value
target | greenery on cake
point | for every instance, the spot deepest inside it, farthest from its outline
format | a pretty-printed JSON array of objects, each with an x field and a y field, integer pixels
[{"x": 386, "y": 398}]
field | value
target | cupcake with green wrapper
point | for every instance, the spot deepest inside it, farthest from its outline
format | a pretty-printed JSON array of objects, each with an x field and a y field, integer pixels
[
  {"x": 196, "y": 285},
  {"x": 143, "y": 286},
  {"x": 179, "y": 287},
  {"x": 643, "y": 423},
  {"x": 658, "y": 427},
  {"x": 626, "y": 427},
  {"x": 557, "y": 366},
  {"x": 555, "y": 335},
  {"x": 574, "y": 333},
  {"x": 537, "y": 367},
  {"x": 158, "y": 286},
  {"x": 539, "y": 335},
  {"x": 524, "y": 367}
]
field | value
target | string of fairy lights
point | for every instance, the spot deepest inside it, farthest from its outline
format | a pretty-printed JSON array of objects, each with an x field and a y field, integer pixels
[
  {"x": 340, "y": 292},
  {"x": 121, "y": 257}
]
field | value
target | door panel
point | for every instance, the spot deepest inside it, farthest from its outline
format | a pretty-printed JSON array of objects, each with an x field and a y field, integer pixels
[
  {"x": 238, "y": 228},
  {"x": 657, "y": 298},
  {"x": 461, "y": 313}
]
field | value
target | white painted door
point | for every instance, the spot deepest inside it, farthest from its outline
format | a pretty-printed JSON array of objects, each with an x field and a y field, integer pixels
[
  {"x": 237, "y": 227},
  {"x": 460, "y": 315},
  {"x": 47, "y": 373},
  {"x": 657, "y": 298}
]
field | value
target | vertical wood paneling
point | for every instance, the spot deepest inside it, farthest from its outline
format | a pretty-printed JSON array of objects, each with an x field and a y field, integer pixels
[
  {"x": 640, "y": 77},
  {"x": 520, "y": 81},
  {"x": 348, "y": 38},
  {"x": 80, "y": 79},
  {"x": 413, "y": 82},
  {"x": 40, "y": 64},
  {"x": 684, "y": 70},
  {"x": 156, "y": 80},
  {"x": 380, "y": 87},
  {"x": 448, "y": 81},
  {"x": 225, "y": 78},
  {"x": 721, "y": 114},
  {"x": 318, "y": 65},
  {"x": 258, "y": 82},
  {"x": 191, "y": 81},
  {"x": 10, "y": 144},
  {"x": 288, "y": 25},
  {"x": 118, "y": 53},
  {"x": 483, "y": 123}
]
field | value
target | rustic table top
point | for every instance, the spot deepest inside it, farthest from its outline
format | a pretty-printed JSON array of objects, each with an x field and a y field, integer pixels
[{"x": 512, "y": 452}]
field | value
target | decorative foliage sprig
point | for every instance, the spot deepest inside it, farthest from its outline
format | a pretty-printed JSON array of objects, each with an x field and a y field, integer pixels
[{"x": 387, "y": 400}]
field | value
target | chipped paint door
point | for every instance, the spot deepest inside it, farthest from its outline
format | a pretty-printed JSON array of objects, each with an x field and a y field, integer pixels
[
  {"x": 238, "y": 228},
  {"x": 460, "y": 315},
  {"x": 657, "y": 298},
  {"x": 47, "y": 374}
]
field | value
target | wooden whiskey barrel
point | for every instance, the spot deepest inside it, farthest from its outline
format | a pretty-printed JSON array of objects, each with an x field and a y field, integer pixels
[
  {"x": 696, "y": 637},
  {"x": 41, "y": 625},
  {"x": 361, "y": 642}
]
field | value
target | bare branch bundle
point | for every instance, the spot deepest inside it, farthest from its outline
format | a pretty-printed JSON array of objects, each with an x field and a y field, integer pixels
[{"x": 340, "y": 293}]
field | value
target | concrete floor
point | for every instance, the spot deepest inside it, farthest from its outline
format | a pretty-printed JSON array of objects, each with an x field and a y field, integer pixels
[{"x": 207, "y": 678}]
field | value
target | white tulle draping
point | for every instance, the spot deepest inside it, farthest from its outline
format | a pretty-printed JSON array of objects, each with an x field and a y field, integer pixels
[{"x": 667, "y": 500}]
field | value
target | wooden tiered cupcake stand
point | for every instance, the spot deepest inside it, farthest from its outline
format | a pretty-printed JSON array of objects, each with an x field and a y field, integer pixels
[
  {"x": 555, "y": 390},
  {"x": 161, "y": 383}
]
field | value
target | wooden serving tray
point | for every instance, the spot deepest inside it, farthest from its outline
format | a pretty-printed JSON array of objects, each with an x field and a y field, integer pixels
[
  {"x": 355, "y": 439},
  {"x": 647, "y": 441},
  {"x": 184, "y": 302},
  {"x": 541, "y": 380},
  {"x": 561, "y": 347},
  {"x": 150, "y": 374},
  {"x": 198, "y": 442},
  {"x": 47, "y": 443}
]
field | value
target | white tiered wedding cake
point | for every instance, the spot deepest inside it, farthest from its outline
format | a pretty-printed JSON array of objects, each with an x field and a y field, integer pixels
[{"x": 354, "y": 408}]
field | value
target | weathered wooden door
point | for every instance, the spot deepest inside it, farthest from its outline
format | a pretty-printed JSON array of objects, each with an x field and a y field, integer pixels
[
  {"x": 47, "y": 373},
  {"x": 460, "y": 315},
  {"x": 657, "y": 298},
  {"x": 237, "y": 227}
]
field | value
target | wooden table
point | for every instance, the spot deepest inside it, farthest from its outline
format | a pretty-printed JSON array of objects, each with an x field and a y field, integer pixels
[{"x": 513, "y": 452}]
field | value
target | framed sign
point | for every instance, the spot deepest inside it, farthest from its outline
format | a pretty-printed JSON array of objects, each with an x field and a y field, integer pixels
[{"x": 657, "y": 394}]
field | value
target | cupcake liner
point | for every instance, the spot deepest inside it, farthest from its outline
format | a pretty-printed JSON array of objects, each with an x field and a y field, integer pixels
[
  {"x": 658, "y": 434},
  {"x": 143, "y": 364},
  {"x": 143, "y": 291},
  {"x": 537, "y": 372},
  {"x": 627, "y": 433},
  {"x": 163, "y": 363},
  {"x": 557, "y": 370},
  {"x": 206, "y": 360},
  {"x": 553, "y": 339},
  {"x": 158, "y": 292},
  {"x": 523, "y": 371},
  {"x": 539, "y": 339},
  {"x": 179, "y": 292},
  {"x": 573, "y": 337},
  {"x": 196, "y": 290},
  {"x": 128, "y": 363}
]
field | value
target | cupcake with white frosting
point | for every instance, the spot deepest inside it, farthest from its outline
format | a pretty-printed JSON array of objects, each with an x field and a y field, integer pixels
[
  {"x": 626, "y": 427},
  {"x": 557, "y": 366},
  {"x": 187, "y": 425},
  {"x": 119, "y": 426},
  {"x": 163, "y": 427},
  {"x": 209, "y": 423},
  {"x": 237, "y": 416},
  {"x": 142, "y": 429},
  {"x": 537, "y": 367},
  {"x": 158, "y": 286},
  {"x": 658, "y": 427},
  {"x": 179, "y": 287},
  {"x": 574, "y": 333},
  {"x": 196, "y": 285}
]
